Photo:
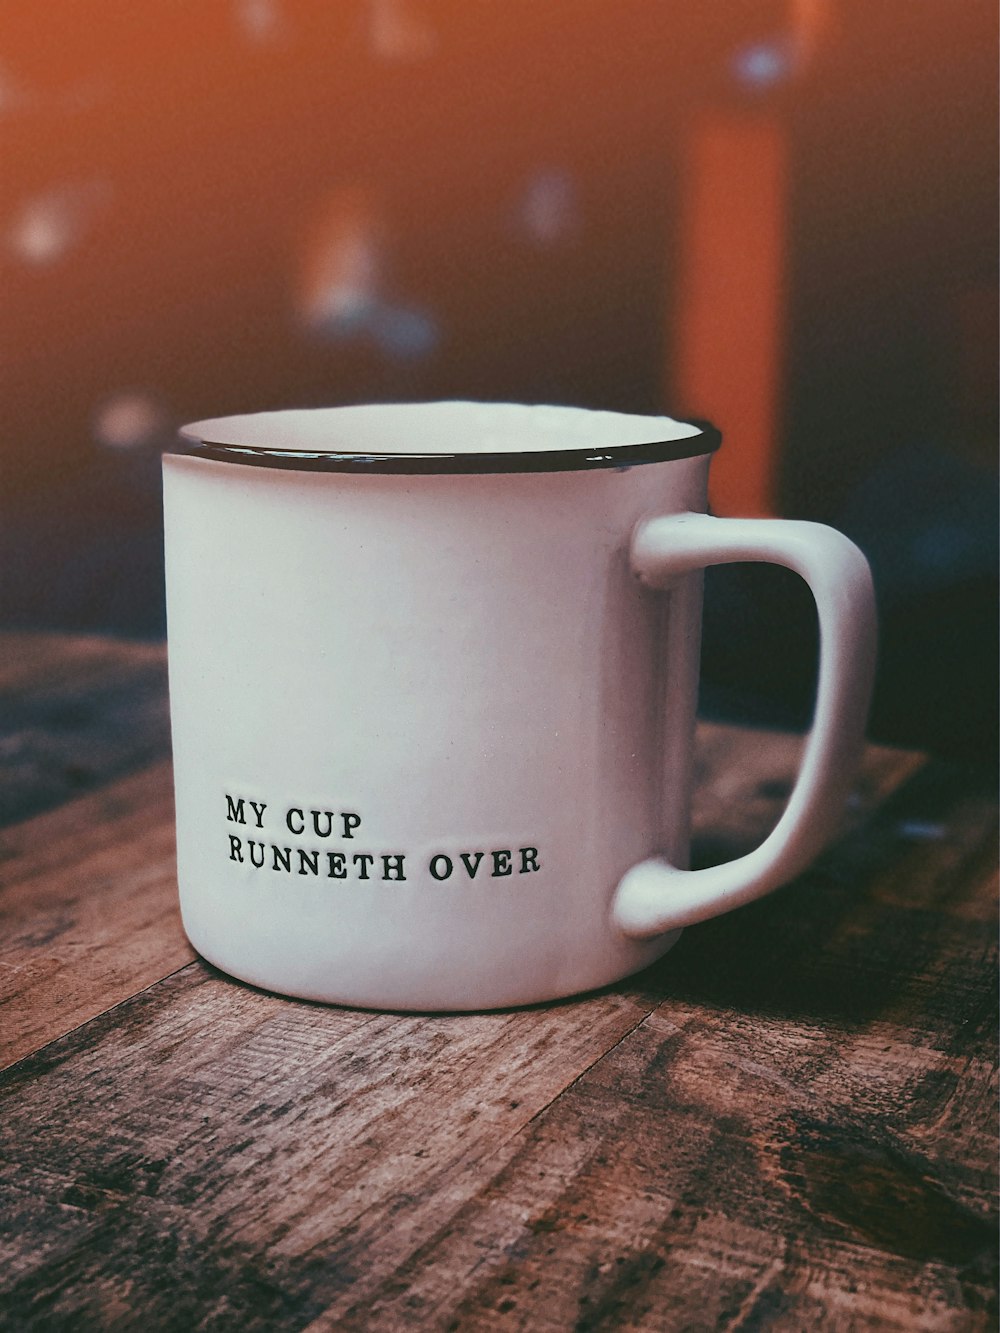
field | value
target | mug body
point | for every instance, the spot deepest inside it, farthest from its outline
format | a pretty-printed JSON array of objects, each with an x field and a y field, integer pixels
[{"x": 423, "y": 722}]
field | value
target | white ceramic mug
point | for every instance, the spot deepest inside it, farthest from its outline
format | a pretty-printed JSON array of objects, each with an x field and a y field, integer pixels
[{"x": 433, "y": 677}]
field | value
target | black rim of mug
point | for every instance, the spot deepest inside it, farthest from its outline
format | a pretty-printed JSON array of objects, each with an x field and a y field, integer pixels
[{"x": 705, "y": 441}]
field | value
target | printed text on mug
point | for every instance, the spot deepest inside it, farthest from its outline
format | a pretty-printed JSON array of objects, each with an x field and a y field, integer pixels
[{"x": 263, "y": 852}]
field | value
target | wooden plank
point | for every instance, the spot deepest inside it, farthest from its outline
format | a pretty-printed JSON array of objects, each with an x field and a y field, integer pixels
[
  {"x": 767, "y": 1148},
  {"x": 75, "y": 712},
  {"x": 697, "y": 1178},
  {"x": 788, "y": 1120},
  {"x": 88, "y": 911},
  {"x": 207, "y": 1093},
  {"x": 802, "y": 1134}
]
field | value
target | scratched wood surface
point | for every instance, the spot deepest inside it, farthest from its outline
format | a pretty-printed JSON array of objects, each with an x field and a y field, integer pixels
[{"x": 788, "y": 1123}]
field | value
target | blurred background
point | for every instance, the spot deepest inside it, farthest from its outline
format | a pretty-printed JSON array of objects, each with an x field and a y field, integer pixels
[{"x": 780, "y": 215}]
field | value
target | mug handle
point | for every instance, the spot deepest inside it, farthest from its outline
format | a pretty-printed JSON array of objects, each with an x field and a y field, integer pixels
[{"x": 655, "y": 896}]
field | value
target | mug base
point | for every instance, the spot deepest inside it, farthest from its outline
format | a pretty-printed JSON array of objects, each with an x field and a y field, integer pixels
[{"x": 430, "y": 997}]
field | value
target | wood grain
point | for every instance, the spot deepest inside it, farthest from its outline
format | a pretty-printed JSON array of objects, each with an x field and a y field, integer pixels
[
  {"x": 360, "y": 1127},
  {"x": 88, "y": 909},
  {"x": 790, "y": 1122},
  {"x": 74, "y": 713}
]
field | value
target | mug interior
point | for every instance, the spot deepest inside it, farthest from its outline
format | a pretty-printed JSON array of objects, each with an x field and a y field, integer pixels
[{"x": 450, "y": 430}]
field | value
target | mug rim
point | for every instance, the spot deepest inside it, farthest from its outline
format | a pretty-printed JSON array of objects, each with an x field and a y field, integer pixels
[{"x": 227, "y": 439}]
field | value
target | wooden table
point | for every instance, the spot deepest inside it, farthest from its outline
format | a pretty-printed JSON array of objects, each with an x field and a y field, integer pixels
[{"x": 789, "y": 1123}]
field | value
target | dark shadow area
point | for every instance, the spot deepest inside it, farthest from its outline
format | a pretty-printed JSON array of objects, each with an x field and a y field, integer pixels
[{"x": 830, "y": 948}]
